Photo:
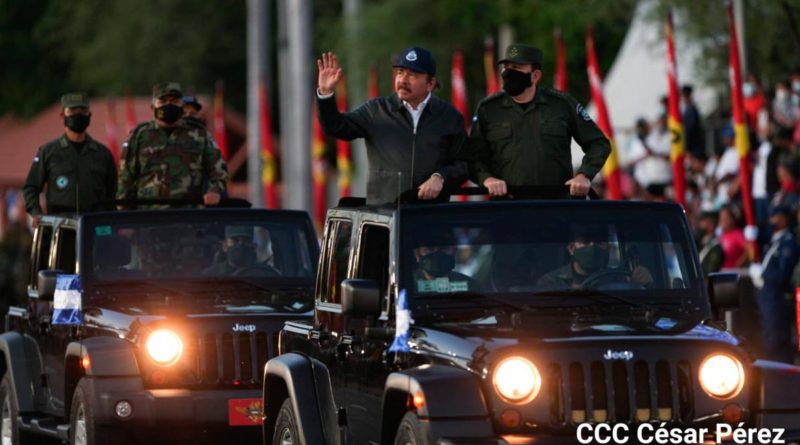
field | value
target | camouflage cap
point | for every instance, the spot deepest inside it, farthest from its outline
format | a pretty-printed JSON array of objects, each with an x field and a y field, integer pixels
[
  {"x": 241, "y": 231},
  {"x": 167, "y": 89},
  {"x": 72, "y": 100},
  {"x": 523, "y": 54}
]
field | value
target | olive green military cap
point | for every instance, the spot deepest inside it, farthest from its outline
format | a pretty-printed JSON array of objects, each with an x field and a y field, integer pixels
[
  {"x": 167, "y": 89},
  {"x": 523, "y": 54},
  {"x": 72, "y": 100}
]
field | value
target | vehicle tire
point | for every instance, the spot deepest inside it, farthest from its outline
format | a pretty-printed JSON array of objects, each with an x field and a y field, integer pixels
[
  {"x": 286, "y": 426},
  {"x": 82, "y": 429},
  {"x": 9, "y": 410},
  {"x": 411, "y": 431}
]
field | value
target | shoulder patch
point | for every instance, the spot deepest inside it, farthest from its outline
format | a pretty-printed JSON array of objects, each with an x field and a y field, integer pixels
[{"x": 582, "y": 112}]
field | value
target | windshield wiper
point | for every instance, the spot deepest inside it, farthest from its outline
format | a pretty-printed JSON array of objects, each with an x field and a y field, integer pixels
[
  {"x": 590, "y": 294},
  {"x": 135, "y": 286},
  {"x": 471, "y": 297}
]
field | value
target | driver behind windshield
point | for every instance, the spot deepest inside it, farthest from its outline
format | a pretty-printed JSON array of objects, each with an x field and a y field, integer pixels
[
  {"x": 588, "y": 249},
  {"x": 435, "y": 257},
  {"x": 239, "y": 254}
]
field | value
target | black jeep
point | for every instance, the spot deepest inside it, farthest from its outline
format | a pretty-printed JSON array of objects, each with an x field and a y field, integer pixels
[
  {"x": 152, "y": 323},
  {"x": 515, "y": 323}
]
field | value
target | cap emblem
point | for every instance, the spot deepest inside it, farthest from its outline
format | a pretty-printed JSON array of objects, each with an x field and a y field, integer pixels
[
  {"x": 411, "y": 56},
  {"x": 513, "y": 51}
]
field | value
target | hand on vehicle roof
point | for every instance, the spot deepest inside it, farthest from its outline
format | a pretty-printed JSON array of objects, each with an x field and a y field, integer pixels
[{"x": 497, "y": 187}]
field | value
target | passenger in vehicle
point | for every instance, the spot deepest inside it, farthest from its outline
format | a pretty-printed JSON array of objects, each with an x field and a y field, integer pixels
[
  {"x": 240, "y": 255},
  {"x": 436, "y": 259},
  {"x": 589, "y": 264}
]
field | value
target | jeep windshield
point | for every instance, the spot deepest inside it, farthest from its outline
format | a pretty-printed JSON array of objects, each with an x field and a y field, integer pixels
[
  {"x": 233, "y": 257},
  {"x": 535, "y": 255}
]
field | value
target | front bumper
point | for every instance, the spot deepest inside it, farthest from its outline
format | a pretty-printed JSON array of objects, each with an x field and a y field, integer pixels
[{"x": 164, "y": 408}]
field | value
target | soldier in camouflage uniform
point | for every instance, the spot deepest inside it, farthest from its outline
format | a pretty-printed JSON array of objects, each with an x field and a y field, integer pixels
[
  {"x": 78, "y": 171},
  {"x": 166, "y": 158},
  {"x": 521, "y": 135}
]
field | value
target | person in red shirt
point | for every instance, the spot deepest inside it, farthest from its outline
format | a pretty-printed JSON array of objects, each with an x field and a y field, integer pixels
[
  {"x": 754, "y": 101},
  {"x": 732, "y": 238}
]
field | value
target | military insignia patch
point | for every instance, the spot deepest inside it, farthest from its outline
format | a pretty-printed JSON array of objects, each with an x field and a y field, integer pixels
[
  {"x": 513, "y": 52},
  {"x": 411, "y": 56},
  {"x": 62, "y": 182},
  {"x": 582, "y": 112}
]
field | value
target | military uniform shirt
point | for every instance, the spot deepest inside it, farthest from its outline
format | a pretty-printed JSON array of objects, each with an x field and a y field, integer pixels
[
  {"x": 170, "y": 163},
  {"x": 531, "y": 146},
  {"x": 76, "y": 179}
]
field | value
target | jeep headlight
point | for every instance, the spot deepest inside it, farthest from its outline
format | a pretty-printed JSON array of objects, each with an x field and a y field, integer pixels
[
  {"x": 164, "y": 347},
  {"x": 721, "y": 376},
  {"x": 517, "y": 380}
]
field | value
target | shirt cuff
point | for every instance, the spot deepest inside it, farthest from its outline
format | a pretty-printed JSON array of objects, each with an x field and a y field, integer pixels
[{"x": 324, "y": 96}]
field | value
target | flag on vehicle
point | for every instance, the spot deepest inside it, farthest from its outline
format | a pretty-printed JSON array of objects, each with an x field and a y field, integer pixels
[
  {"x": 318, "y": 171},
  {"x": 678, "y": 152},
  {"x": 268, "y": 165},
  {"x": 219, "y": 120},
  {"x": 489, "y": 67},
  {"x": 403, "y": 322},
  {"x": 611, "y": 171},
  {"x": 560, "y": 78},
  {"x": 67, "y": 300},
  {"x": 741, "y": 137},
  {"x": 343, "y": 158}
]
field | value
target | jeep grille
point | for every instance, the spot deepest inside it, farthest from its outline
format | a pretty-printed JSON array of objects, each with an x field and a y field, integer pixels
[
  {"x": 619, "y": 391},
  {"x": 231, "y": 358}
]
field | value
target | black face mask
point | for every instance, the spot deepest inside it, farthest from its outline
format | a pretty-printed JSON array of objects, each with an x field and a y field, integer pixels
[
  {"x": 515, "y": 82},
  {"x": 169, "y": 113},
  {"x": 591, "y": 258},
  {"x": 437, "y": 264},
  {"x": 241, "y": 255},
  {"x": 77, "y": 122}
]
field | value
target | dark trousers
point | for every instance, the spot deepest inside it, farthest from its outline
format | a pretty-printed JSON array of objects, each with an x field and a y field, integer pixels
[{"x": 777, "y": 315}]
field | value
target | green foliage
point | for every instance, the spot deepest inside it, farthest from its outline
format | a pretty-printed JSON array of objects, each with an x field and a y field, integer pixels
[
  {"x": 109, "y": 48},
  {"x": 29, "y": 65}
]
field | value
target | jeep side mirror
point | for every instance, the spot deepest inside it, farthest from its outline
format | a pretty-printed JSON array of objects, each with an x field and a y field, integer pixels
[
  {"x": 47, "y": 283},
  {"x": 360, "y": 298},
  {"x": 725, "y": 290}
]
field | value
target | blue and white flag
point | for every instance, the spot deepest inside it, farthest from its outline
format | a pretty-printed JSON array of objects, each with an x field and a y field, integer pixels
[
  {"x": 403, "y": 322},
  {"x": 67, "y": 300}
]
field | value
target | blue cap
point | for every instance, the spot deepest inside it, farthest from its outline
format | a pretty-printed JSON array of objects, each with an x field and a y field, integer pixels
[
  {"x": 192, "y": 100},
  {"x": 417, "y": 59}
]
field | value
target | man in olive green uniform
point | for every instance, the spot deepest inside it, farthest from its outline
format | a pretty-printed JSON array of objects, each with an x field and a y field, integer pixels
[
  {"x": 521, "y": 136},
  {"x": 166, "y": 158},
  {"x": 78, "y": 171}
]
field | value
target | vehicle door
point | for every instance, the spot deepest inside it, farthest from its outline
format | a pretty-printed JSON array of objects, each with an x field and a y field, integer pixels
[
  {"x": 334, "y": 268},
  {"x": 364, "y": 358}
]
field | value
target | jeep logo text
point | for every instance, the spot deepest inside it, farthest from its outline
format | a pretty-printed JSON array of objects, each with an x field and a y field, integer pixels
[
  {"x": 244, "y": 327},
  {"x": 618, "y": 355}
]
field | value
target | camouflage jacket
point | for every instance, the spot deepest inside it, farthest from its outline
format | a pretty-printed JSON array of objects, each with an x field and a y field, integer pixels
[{"x": 183, "y": 163}]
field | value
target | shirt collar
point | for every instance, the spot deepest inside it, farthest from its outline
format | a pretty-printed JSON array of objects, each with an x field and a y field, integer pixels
[{"x": 421, "y": 105}]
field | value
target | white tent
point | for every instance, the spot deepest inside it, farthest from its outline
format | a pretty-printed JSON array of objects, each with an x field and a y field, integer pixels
[{"x": 638, "y": 77}]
